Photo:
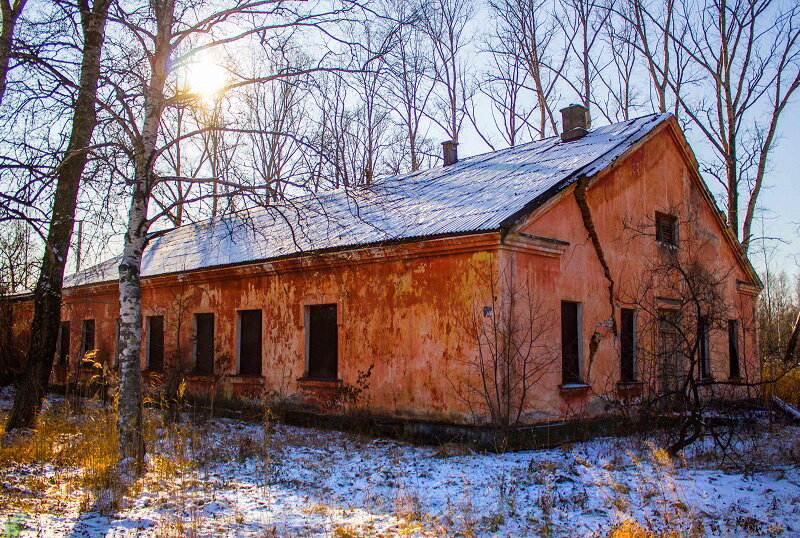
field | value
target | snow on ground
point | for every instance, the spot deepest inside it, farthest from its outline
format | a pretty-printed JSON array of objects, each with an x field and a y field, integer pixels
[{"x": 307, "y": 482}]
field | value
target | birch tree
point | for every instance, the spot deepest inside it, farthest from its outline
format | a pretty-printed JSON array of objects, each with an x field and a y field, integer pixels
[{"x": 160, "y": 31}]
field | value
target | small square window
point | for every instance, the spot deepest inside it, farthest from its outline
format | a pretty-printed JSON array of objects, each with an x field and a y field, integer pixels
[{"x": 667, "y": 229}]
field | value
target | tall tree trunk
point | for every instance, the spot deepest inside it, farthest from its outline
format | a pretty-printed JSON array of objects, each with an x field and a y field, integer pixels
[
  {"x": 129, "y": 408},
  {"x": 794, "y": 340},
  {"x": 10, "y": 13},
  {"x": 34, "y": 380}
]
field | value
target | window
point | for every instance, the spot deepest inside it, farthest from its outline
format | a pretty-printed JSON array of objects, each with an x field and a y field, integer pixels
[
  {"x": 670, "y": 365},
  {"x": 666, "y": 229},
  {"x": 322, "y": 341},
  {"x": 155, "y": 343},
  {"x": 570, "y": 343},
  {"x": 733, "y": 347},
  {"x": 628, "y": 345},
  {"x": 250, "y": 342},
  {"x": 87, "y": 337},
  {"x": 116, "y": 343},
  {"x": 702, "y": 347},
  {"x": 63, "y": 343},
  {"x": 204, "y": 343}
]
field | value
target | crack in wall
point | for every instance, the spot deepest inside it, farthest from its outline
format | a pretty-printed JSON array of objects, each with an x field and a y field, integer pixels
[{"x": 588, "y": 224}]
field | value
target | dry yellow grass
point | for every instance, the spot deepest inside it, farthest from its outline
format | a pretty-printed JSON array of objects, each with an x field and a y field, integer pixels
[
  {"x": 78, "y": 452},
  {"x": 787, "y": 384}
]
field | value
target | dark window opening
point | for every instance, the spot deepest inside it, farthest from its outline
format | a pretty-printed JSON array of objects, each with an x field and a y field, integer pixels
[
  {"x": 670, "y": 365},
  {"x": 702, "y": 347},
  {"x": 117, "y": 346},
  {"x": 323, "y": 342},
  {"x": 570, "y": 348},
  {"x": 63, "y": 343},
  {"x": 667, "y": 229},
  {"x": 628, "y": 345},
  {"x": 733, "y": 347},
  {"x": 250, "y": 342},
  {"x": 204, "y": 343},
  {"x": 87, "y": 337},
  {"x": 155, "y": 343}
]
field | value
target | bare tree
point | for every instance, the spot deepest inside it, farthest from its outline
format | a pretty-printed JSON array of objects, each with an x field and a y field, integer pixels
[
  {"x": 18, "y": 258},
  {"x": 275, "y": 109},
  {"x": 739, "y": 67},
  {"x": 689, "y": 343},
  {"x": 10, "y": 11},
  {"x": 583, "y": 24},
  {"x": 621, "y": 92},
  {"x": 506, "y": 325},
  {"x": 142, "y": 95},
  {"x": 446, "y": 23},
  {"x": 47, "y": 295},
  {"x": 409, "y": 79},
  {"x": 530, "y": 24},
  {"x": 505, "y": 85},
  {"x": 656, "y": 31}
]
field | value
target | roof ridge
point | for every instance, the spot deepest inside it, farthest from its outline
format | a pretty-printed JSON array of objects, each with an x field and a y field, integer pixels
[{"x": 480, "y": 193}]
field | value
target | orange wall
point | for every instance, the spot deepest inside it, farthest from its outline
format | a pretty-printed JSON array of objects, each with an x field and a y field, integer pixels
[
  {"x": 623, "y": 202},
  {"x": 396, "y": 310},
  {"x": 403, "y": 308}
]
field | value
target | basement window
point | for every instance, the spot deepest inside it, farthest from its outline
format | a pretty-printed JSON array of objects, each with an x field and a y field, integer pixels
[
  {"x": 63, "y": 343},
  {"x": 204, "y": 344},
  {"x": 667, "y": 229},
  {"x": 87, "y": 337},
  {"x": 733, "y": 348},
  {"x": 322, "y": 342},
  {"x": 628, "y": 346},
  {"x": 155, "y": 343},
  {"x": 249, "y": 342},
  {"x": 570, "y": 343}
]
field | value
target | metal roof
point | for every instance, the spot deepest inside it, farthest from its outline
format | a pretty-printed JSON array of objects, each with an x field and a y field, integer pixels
[{"x": 475, "y": 194}]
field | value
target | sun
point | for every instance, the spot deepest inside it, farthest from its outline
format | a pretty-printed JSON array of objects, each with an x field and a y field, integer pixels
[{"x": 207, "y": 79}]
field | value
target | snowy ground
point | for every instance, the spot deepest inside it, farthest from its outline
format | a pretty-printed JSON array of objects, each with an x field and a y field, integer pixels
[{"x": 307, "y": 482}]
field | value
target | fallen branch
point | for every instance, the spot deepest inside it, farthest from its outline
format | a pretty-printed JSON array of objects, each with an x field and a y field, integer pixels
[{"x": 785, "y": 407}]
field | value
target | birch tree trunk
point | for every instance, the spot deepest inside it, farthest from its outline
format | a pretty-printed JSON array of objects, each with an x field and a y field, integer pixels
[
  {"x": 33, "y": 382},
  {"x": 794, "y": 340},
  {"x": 129, "y": 410}
]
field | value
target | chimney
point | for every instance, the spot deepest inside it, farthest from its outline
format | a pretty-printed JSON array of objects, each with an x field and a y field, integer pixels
[
  {"x": 575, "y": 122},
  {"x": 450, "y": 152}
]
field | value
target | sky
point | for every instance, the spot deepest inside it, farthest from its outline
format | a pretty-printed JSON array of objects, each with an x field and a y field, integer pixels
[{"x": 780, "y": 197}]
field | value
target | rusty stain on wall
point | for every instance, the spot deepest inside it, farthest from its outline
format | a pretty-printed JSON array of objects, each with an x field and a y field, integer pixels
[{"x": 398, "y": 304}]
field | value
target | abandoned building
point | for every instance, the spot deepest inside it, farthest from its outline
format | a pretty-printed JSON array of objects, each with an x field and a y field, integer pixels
[{"x": 539, "y": 262}]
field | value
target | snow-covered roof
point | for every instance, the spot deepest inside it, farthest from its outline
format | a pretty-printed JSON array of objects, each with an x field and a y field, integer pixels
[{"x": 478, "y": 193}]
